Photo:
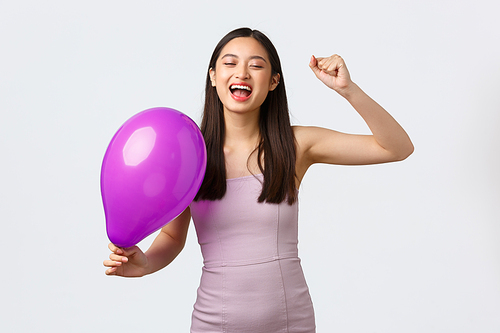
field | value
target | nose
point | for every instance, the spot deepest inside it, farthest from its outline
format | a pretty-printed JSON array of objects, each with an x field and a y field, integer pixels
[{"x": 242, "y": 72}]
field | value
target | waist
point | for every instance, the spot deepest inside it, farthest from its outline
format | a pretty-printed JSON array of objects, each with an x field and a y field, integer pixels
[{"x": 207, "y": 263}]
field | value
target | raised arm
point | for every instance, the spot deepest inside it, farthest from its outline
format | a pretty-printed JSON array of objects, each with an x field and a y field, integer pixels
[
  {"x": 132, "y": 262},
  {"x": 388, "y": 142}
]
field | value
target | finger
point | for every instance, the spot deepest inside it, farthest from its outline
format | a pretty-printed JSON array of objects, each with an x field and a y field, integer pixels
[
  {"x": 318, "y": 60},
  {"x": 312, "y": 61},
  {"x": 326, "y": 62},
  {"x": 329, "y": 64},
  {"x": 115, "y": 257},
  {"x": 338, "y": 60},
  {"x": 112, "y": 247},
  {"x": 332, "y": 69},
  {"x": 111, "y": 263},
  {"x": 111, "y": 271},
  {"x": 313, "y": 64},
  {"x": 115, "y": 249}
]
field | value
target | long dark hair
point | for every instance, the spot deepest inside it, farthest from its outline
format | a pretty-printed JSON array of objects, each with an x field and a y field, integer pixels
[{"x": 277, "y": 143}]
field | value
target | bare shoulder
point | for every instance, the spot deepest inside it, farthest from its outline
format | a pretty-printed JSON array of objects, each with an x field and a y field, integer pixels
[
  {"x": 307, "y": 139},
  {"x": 300, "y": 130},
  {"x": 303, "y": 133},
  {"x": 307, "y": 136}
]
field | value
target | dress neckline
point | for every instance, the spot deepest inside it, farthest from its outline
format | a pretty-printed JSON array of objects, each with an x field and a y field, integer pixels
[{"x": 246, "y": 177}]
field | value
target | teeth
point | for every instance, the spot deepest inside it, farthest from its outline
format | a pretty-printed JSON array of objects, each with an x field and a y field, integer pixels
[{"x": 236, "y": 86}]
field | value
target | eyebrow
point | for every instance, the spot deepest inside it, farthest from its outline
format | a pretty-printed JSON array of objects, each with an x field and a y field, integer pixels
[{"x": 235, "y": 56}]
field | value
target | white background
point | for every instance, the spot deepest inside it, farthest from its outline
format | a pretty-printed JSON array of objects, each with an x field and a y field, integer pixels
[{"x": 405, "y": 247}]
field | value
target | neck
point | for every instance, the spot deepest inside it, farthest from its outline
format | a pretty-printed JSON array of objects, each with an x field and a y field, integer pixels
[{"x": 242, "y": 129}]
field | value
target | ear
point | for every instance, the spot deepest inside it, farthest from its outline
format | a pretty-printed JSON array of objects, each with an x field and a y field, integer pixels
[
  {"x": 275, "y": 80},
  {"x": 211, "y": 72}
]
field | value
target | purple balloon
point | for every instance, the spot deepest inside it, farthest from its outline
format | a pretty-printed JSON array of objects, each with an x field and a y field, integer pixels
[{"x": 152, "y": 170}]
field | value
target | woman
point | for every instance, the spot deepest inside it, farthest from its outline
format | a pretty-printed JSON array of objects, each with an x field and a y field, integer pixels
[{"x": 245, "y": 213}]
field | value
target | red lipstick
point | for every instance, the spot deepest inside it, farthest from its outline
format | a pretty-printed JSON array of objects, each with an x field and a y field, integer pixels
[{"x": 240, "y": 91}]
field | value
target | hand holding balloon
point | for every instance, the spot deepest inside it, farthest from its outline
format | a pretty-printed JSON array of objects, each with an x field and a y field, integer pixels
[{"x": 130, "y": 262}]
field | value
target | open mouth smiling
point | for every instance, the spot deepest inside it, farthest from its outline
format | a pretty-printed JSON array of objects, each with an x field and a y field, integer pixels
[{"x": 240, "y": 92}]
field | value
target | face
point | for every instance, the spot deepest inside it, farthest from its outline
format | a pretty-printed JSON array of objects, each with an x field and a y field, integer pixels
[{"x": 243, "y": 75}]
